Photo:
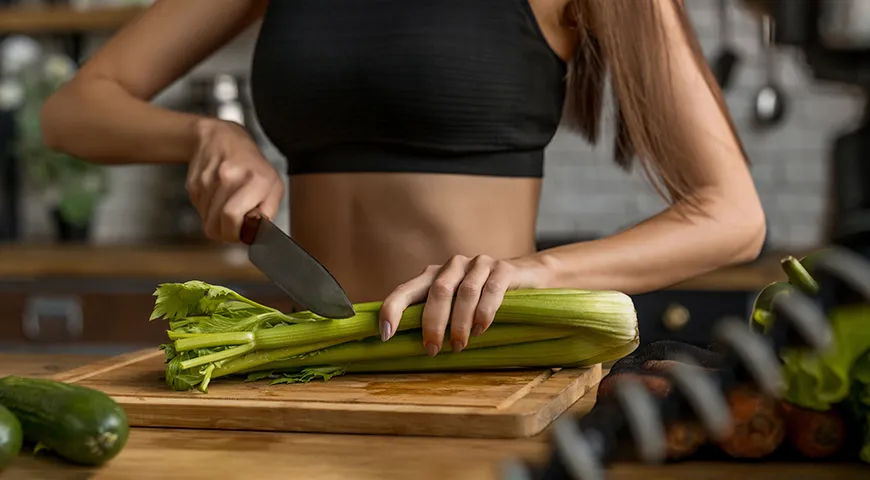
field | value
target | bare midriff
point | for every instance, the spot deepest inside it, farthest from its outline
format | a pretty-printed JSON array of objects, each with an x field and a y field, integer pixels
[{"x": 374, "y": 231}]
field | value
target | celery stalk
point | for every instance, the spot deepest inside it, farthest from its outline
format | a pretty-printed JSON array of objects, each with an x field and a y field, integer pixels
[
  {"x": 214, "y": 332},
  {"x": 402, "y": 345},
  {"x": 573, "y": 350}
]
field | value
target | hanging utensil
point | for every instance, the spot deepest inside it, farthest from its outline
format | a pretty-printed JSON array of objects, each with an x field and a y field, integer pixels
[
  {"x": 770, "y": 101},
  {"x": 727, "y": 60}
]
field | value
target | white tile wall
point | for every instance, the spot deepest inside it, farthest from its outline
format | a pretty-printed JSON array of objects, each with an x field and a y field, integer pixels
[{"x": 584, "y": 192}]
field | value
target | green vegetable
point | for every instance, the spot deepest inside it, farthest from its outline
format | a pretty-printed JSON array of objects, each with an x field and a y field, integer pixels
[
  {"x": 762, "y": 316},
  {"x": 799, "y": 276},
  {"x": 215, "y": 332},
  {"x": 860, "y": 400},
  {"x": 820, "y": 381},
  {"x": 81, "y": 425},
  {"x": 10, "y": 437}
]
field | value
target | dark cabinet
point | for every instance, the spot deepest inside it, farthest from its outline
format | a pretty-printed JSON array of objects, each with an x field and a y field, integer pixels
[
  {"x": 688, "y": 316},
  {"x": 93, "y": 313}
]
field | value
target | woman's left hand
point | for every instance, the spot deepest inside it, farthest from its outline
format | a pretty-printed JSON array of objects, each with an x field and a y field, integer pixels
[{"x": 478, "y": 285}]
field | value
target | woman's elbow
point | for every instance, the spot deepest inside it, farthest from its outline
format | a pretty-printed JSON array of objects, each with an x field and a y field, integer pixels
[
  {"x": 751, "y": 228},
  {"x": 61, "y": 115},
  {"x": 51, "y": 121}
]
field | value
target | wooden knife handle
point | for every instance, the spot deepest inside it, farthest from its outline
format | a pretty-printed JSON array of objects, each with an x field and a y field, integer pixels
[{"x": 250, "y": 225}]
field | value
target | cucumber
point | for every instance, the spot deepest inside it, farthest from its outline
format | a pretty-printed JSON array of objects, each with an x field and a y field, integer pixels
[
  {"x": 10, "y": 437},
  {"x": 82, "y": 425}
]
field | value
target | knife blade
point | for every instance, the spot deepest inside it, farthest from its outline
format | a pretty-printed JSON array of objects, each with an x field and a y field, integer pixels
[{"x": 293, "y": 269}]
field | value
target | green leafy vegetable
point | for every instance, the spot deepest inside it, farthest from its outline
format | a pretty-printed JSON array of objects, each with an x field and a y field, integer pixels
[
  {"x": 799, "y": 276},
  {"x": 215, "y": 332},
  {"x": 308, "y": 374},
  {"x": 819, "y": 381}
]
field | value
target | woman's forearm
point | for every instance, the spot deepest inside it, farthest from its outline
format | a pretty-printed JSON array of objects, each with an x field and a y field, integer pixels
[
  {"x": 662, "y": 251},
  {"x": 97, "y": 120}
]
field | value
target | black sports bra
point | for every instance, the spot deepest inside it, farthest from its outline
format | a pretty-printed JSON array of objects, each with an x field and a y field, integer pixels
[{"x": 437, "y": 86}]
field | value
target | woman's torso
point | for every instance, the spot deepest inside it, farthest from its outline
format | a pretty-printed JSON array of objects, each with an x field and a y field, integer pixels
[
  {"x": 375, "y": 231},
  {"x": 414, "y": 129}
]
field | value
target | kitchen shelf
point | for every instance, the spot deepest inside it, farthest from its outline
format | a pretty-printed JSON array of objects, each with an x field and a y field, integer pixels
[
  {"x": 153, "y": 262},
  {"x": 212, "y": 261},
  {"x": 50, "y": 20}
]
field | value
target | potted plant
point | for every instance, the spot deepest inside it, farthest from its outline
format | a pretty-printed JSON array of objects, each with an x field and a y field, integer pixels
[{"x": 72, "y": 187}]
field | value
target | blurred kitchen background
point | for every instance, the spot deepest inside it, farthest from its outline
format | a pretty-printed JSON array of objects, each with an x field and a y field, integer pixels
[{"x": 52, "y": 204}]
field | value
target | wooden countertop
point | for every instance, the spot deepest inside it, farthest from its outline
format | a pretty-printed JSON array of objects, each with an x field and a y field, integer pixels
[
  {"x": 134, "y": 262},
  {"x": 197, "y": 454},
  {"x": 228, "y": 264},
  {"x": 64, "y": 19}
]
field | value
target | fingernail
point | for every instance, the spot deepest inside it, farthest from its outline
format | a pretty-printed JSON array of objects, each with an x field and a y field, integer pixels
[
  {"x": 457, "y": 346},
  {"x": 432, "y": 349},
  {"x": 476, "y": 330},
  {"x": 386, "y": 330}
]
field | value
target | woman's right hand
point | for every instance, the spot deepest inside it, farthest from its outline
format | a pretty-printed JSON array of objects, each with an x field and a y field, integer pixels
[{"x": 228, "y": 177}]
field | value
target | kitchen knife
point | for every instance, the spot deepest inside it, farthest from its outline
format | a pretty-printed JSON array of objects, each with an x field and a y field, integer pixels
[{"x": 293, "y": 269}]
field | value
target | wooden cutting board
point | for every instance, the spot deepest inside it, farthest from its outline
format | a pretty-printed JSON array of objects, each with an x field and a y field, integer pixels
[{"x": 502, "y": 404}]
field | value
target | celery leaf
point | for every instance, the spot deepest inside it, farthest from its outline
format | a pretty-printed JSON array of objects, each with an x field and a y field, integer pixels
[
  {"x": 255, "y": 376},
  {"x": 178, "y": 300},
  {"x": 308, "y": 374},
  {"x": 178, "y": 379},
  {"x": 168, "y": 351}
]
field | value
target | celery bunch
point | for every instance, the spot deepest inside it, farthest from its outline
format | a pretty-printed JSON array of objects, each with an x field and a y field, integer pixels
[{"x": 215, "y": 332}]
